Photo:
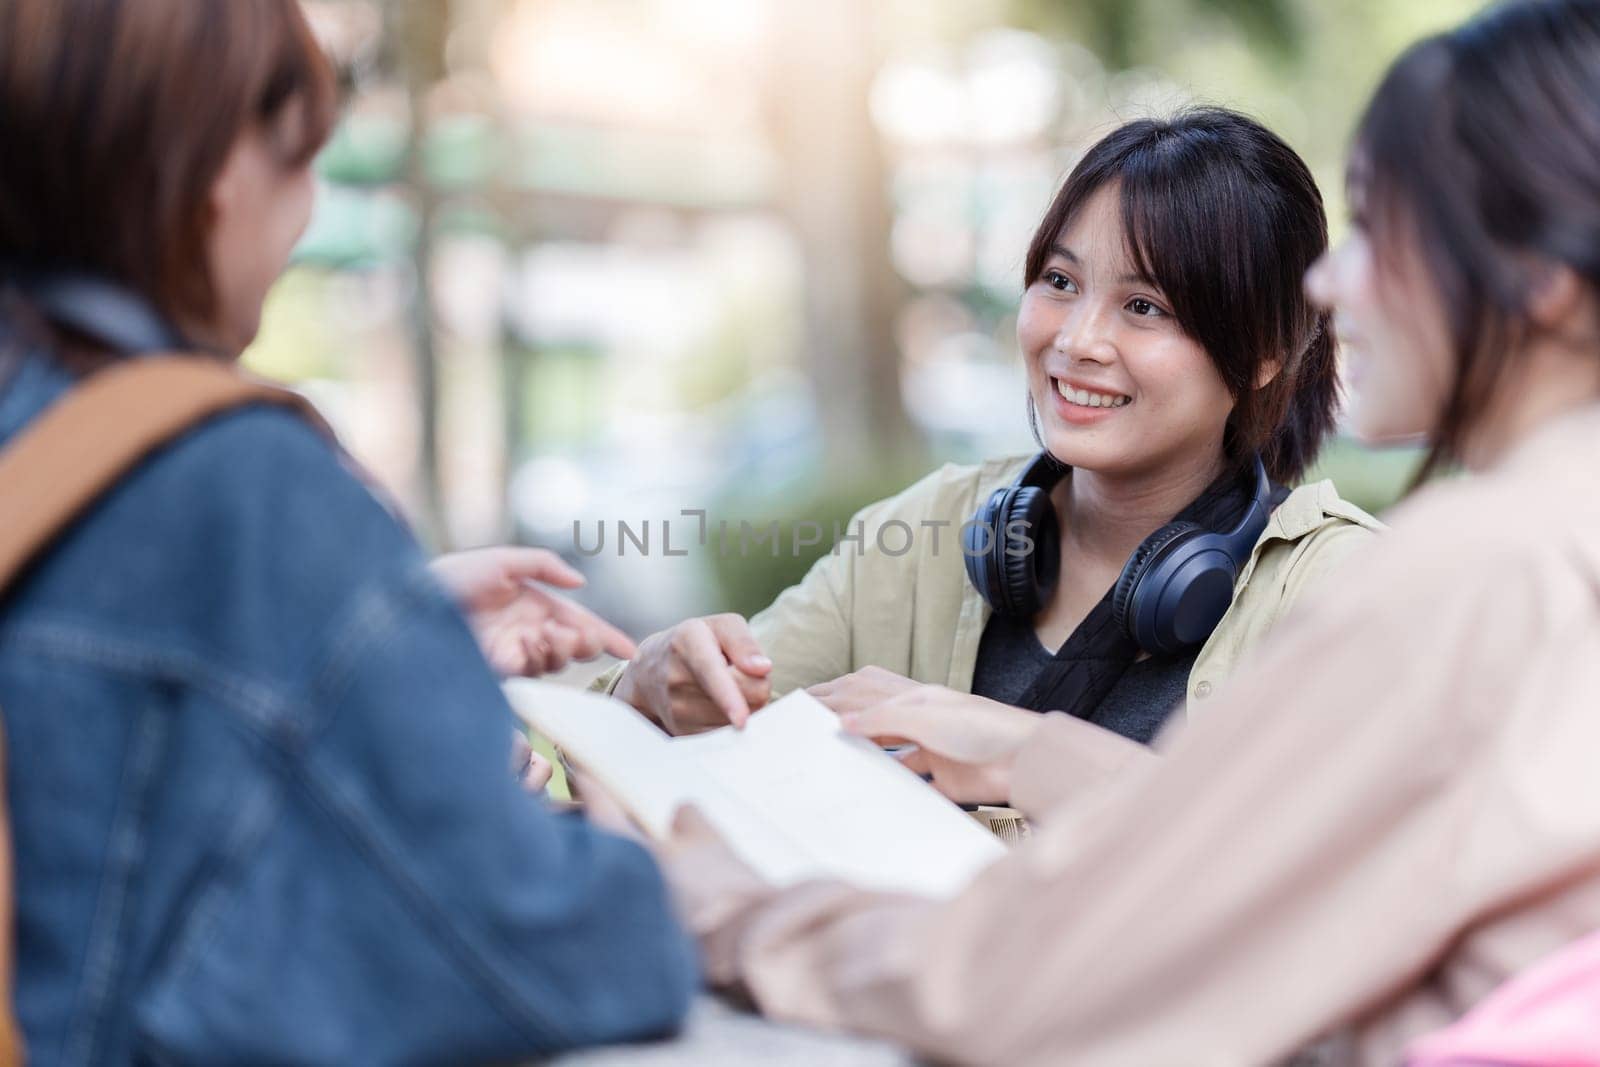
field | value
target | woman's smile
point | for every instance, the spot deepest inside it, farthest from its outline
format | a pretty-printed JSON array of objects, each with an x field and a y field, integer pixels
[{"x": 1079, "y": 404}]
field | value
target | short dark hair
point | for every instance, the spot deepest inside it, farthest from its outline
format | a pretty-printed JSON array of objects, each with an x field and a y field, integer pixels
[
  {"x": 1226, "y": 219},
  {"x": 116, "y": 117},
  {"x": 1481, "y": 150}
]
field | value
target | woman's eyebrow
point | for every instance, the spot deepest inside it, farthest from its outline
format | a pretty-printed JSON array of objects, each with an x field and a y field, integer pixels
[{"x": 1127, "y": 279}]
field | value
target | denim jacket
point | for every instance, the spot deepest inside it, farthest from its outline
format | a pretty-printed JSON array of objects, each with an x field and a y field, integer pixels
[{"x": 260, "y": 791}]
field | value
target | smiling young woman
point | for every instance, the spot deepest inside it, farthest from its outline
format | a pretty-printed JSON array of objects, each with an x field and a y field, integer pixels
[{"x": 1175, "y": 370}]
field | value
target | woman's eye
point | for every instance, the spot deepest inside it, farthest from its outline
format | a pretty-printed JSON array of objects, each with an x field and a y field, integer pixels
[
  {"x": 1058, "y": 281},
  {"x": 1140, "y": 306}
]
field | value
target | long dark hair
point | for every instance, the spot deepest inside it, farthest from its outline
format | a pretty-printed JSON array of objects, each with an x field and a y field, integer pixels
[
  {"x": 1481, "y": 151},
  {"x": 1225, "y": 218}
]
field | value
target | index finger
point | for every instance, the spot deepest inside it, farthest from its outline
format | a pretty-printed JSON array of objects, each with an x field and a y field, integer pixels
[
  {"x": 703, "y": 656},
  {"x": 602, "y": 633},
  {"x": 892, "y": 723},
  {"x": 739, "y": 644},
  {"x": 821, "y": 690},
  {"x": 525, "y": 563}
]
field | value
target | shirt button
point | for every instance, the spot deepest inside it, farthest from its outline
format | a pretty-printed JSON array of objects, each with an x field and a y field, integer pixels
[{"x": 1203, "y": 690}]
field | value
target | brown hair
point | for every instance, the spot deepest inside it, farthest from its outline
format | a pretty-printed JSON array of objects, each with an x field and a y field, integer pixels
[
  {"x": 1225, "y": 218},
  {"x": 1481, "y": 150},
  {"x": 116, "y": 116}
]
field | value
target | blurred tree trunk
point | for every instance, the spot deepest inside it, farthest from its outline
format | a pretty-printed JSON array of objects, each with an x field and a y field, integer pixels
[
  {"x": 834, "y": 189},
  {"x": 420, "y": 31}
]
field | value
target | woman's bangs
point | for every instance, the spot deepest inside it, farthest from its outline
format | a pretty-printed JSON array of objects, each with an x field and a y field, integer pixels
[{"x": 298, "y": 90}]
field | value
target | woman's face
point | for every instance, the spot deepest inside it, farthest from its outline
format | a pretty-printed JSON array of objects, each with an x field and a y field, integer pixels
[
  {"x": 260, "y": 207},
  {"x": 1392, "y": 332},
  {"x": 1120, "y": 389}
]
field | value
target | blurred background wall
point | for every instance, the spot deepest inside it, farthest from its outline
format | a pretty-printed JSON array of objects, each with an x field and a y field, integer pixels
[{"x": 608, "y": 260}]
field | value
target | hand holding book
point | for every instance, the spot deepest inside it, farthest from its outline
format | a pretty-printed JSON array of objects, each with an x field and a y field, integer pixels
[{"x": 966, "y": 744}]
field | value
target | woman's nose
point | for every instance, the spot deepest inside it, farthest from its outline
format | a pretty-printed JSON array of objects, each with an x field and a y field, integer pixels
[{"x": 1086, "y": 337}]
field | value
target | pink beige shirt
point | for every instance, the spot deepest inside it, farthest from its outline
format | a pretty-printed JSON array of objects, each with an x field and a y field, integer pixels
[{"x": 1393, "y": 807}]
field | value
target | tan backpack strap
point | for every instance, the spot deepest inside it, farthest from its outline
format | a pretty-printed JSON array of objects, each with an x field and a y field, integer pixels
[
  {"x": 10, "y": 1035},
  {"x": 59, "y": 465},
  {"x": 101, "y": 429}
]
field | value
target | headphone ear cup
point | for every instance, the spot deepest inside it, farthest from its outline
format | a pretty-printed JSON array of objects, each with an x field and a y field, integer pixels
[
  {"x": 1134, "y": 571},
  {"x": 980, "y": 548},
  {"x": 1027, "y": 578},
  {"x": 1016, "y": 582}
]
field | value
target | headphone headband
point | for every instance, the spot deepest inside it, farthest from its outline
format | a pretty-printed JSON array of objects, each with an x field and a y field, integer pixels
[
  {"x": 1043, "y": 472},
  {"x": 1179, "y": 583},
  {"x": 1242, "y": 538}
]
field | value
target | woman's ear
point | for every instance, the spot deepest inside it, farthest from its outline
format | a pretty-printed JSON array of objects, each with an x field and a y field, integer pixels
[
  {"x": 1268, "y": 372},
  {"x": 1558, "y": 298}
]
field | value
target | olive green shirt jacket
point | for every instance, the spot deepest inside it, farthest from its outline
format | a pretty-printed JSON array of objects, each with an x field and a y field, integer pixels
[
  {"x": 893, "y": 592},
  {"x": 917, "y": 614}
]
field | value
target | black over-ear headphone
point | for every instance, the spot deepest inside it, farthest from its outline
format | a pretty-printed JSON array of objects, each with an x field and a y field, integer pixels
[
  {"x": 98, "y": 309},
  {"x": 1172, "y": 592},
  {"x": 1014, "y": 578}
]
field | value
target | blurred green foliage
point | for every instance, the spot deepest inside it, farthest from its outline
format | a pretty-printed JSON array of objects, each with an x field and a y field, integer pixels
[
  {"x": 1372, "y": 479},
  {"x": 749, "y": 581},
  {"x": 1119, "y": 31},
  {"x": 560, "y": 389}
]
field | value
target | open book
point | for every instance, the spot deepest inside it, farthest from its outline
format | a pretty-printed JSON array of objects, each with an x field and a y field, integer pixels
[{"x": 793, "y": 795}]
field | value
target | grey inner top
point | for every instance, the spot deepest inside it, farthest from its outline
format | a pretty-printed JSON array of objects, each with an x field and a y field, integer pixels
[{"x": 1010, "y": 657}]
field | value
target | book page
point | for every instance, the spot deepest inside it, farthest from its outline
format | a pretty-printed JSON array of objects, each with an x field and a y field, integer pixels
[
  {"x": 839, "y": 806},
  {"x": 627, "y": 754},
  {"x": 791, "y": 793}
]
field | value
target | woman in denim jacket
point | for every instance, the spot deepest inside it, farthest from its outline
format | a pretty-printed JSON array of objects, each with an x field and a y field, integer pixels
[{"x": 257, "y": 762}]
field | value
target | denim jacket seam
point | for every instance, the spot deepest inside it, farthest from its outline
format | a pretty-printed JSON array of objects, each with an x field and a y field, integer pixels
[
  {"x": 265, "y": 706},
  {"x": 108, "y": 927},
  {"x": 239, "y": 841},
  {"x": 373, "y": 616}
]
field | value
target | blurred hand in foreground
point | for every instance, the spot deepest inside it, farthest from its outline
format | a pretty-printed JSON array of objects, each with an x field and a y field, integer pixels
[
  {"x": 527, "y": 766},
  {"x": 522, "y": 628}
]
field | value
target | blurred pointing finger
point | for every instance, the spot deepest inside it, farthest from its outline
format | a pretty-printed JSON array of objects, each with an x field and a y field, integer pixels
[{"x": 539, "y": 565}]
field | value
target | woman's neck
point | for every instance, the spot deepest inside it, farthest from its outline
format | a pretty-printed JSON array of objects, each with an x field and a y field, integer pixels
[
  {"x": 1105, "y": 516},
  {"x": 1552, "y": 379}
]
